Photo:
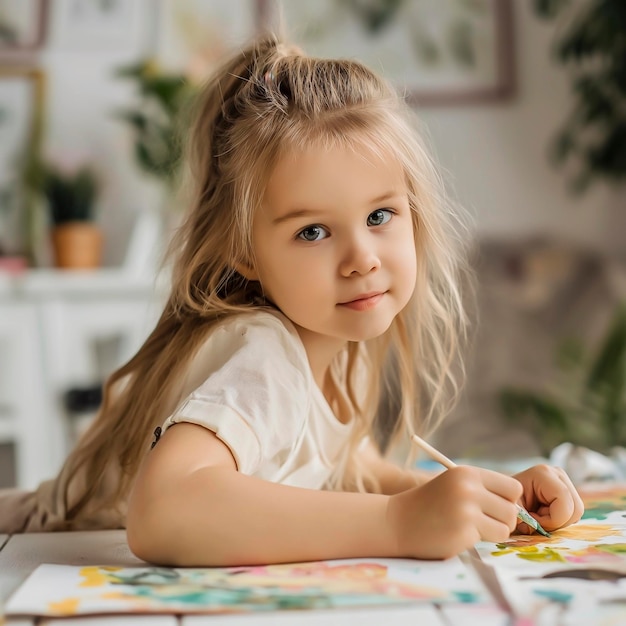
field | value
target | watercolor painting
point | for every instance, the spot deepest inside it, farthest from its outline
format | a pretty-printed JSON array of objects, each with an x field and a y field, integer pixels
[
  {"x": 579, "y": 569},
  {"x": 94, "y": 25},
  {"x": 577, "y": 576},
  {"x": 437, "y": 52},
  {"x": 602, "y": 499},
  {"x": 21, "y": 105},
  {"x": 63, "y": 590},
  {"x": 22, "y": 25},
  {"x": 193, "y": 35}
]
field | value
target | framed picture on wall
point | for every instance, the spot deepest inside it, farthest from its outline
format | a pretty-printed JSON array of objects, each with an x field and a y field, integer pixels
[
  {"x": 193, "y": 35},
  {"x": 22, "y": 25},
  {"x": 436, "y": 51},
  {"x": 21, "y": 99},
  {"x": 122, "y": 26}
]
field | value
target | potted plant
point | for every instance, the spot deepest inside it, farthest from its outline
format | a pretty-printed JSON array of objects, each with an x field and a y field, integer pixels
[
  {"x": 586, "y": 405},
  {"x": 590, "y": 44},
  {"x": 70, "y": 195},
  {"x": 156, "y": 121}
]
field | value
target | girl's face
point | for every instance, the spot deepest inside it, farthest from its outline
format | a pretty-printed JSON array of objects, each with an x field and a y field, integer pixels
[{"x": 334, "y": 243}]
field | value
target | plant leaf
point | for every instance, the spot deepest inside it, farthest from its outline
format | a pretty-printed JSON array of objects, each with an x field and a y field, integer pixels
[
  {"x": 609, "y": 363},
  {"x": 518, "y": 403}
]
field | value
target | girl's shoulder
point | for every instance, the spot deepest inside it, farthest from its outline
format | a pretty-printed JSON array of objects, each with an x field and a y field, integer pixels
[
  {"x": 255, "y": 339},
  {"x": 259, "y": 325}
]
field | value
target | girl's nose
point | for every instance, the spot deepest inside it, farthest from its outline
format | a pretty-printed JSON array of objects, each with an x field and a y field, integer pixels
[{"x": 360, "y": 257}]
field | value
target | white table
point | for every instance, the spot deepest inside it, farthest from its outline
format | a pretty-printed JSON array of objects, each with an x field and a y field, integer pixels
[{"x": 21, "y": 554}]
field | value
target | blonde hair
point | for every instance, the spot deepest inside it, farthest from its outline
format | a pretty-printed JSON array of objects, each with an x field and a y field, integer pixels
[{"x": 268, "y": 99}]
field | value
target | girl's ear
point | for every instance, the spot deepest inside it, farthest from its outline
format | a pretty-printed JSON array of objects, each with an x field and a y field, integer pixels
[{"x": 247, "y": 271}]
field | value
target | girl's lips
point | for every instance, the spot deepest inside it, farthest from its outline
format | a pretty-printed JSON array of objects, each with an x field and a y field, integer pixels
[{"x": 364, "y": 303}]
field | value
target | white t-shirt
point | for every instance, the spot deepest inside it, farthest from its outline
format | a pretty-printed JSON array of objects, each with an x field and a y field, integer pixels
[{"x": 253, "y": 387}]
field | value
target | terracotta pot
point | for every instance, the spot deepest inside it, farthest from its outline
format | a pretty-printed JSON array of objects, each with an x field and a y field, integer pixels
[{"x": 77, "y": 245}]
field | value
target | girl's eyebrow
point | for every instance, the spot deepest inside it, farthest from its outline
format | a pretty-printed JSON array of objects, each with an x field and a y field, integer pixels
[{"x": 298, "y": 213}]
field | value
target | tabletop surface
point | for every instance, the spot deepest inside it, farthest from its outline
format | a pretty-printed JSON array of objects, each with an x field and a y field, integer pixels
[{"x": 597, "y": 543}]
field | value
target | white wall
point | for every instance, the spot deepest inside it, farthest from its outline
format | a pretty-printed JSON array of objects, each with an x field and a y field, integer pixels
[{"x": 494, "y": 154}]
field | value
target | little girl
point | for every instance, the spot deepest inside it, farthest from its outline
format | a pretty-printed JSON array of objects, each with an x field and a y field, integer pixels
[{"x": 317, "y": 266}]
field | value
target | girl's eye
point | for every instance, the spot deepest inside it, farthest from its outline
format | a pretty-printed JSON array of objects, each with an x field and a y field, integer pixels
[
  {"x": 313, "y": 233},
  {"x": 379, "y": 217}
]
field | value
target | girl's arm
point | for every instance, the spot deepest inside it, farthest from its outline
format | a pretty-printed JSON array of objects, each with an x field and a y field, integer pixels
[
  {"x": 548, "y": 491},
  {"x": 191, "y": 507}
]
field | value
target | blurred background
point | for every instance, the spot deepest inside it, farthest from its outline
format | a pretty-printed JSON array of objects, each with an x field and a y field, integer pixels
[{"x": 522, "y": 103}]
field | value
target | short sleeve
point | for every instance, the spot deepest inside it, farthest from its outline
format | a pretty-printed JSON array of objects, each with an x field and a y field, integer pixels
[{"x": 255, "y": 395}]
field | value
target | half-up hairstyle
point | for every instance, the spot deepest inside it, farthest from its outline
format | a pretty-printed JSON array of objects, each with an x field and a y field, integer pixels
[{"x": 270, "y": 98}]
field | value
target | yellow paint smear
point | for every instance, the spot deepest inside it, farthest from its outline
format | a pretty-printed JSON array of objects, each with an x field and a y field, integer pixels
[
  {"x": 579, "y": 532},
  {"x": 116, "y": 595},
  {"x": 588, "y": 532},
  {"x": 136, "y": 603},
  {"x": 69, "y": 606},
  {"x": 95, "y": 576}
]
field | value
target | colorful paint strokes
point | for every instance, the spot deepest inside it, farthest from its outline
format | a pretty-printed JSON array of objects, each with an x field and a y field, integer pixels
[
  {"x": 596, "y": 554},
  {"x": 601, "y": 500},
  {"x": 578, "y": 569},
  {"x": 577, "y": 573},
  {"x": 58, "y": 590}
]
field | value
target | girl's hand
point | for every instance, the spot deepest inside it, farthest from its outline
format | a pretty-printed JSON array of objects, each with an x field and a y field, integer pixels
[
  {"x": 453, "y": 511},
  {"x": 550, "y": 496}
]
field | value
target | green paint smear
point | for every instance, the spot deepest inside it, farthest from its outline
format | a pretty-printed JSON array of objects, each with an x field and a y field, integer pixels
[
  {"x": 613, "y": 548},
  {"x": 502, "y": 552},
  {"x": 544, "y": 555},
  {"x": 467, "y": 597},
  {"x": 599, "y": 513},
  {"x": 600, "y": 510},
  {"x": 555, "y": 596},
  {"x": 548, "y": 556}
]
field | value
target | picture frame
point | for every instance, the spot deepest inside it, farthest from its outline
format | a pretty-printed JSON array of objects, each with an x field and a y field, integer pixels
[
  {"x": 22, "y": 25},
  {"x": 437, "y": 52},
  {"x": 21, "y": 107},
  {"x": 95, "y": 26},
  {"x": 194, "y": 35}
]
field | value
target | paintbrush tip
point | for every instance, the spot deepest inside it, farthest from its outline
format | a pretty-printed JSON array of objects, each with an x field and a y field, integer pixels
[
  {"x": 526, "y": 517},
  {"x": 543, "y": 532}
]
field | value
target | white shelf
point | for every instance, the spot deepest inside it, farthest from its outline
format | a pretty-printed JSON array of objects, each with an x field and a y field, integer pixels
[
  {"x": 51, "y": 322},
  {"x": 101, "y": 282},
  {"x": 7, "y": 429}
]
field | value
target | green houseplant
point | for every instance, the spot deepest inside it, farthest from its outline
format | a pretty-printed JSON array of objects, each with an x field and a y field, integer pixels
[
  {"x": 70, "y": 195},
  {"x": 591, "y": 46},
  {"x": 586, "y": 404},
  {"x": 155, "y": 121}
]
